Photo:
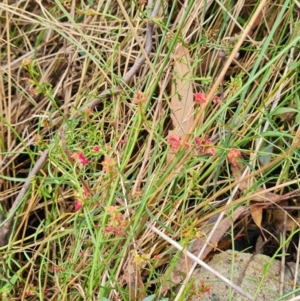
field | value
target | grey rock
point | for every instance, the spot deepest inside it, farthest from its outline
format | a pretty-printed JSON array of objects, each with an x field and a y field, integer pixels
[{"x": 258, "y": 275}]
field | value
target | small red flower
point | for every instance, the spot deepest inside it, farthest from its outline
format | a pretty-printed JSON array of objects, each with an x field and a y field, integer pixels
[
  {"x": 122, "y": 142},
  {"x": 57, "y": 269},
  {"x": 204, "y": 146},
  {"x": 96, "y": 148},
  {"x": 26, "y": 62},
  {"x": 216, "y": 99},
  {"x": 89, "y": 112},
  {"x": 30, "y": 291},
  {"x": 33, "y": 91},
  {"x": 174, "y": 141},
  {"x": 78, "y": 205},
  {"x": 186, "y": 144},
  {"x": 203, "y": 288},
  {"x": 86, "y": 193},
  {"x": 142, "y": 3},
  {"x": 108, "y": 165},
  {"x": 113, "y": 230},
  {"x": 116, "y": 222},
  {"x": 169, "y": 36},
  {"x": 38, "y": 139},
  {"x": 200, "y": 97},
  {"x": 233, "y": 155},
  {"x": 81, "y": 159},
  {"x": 139, "y": 98},
  {"x": 210, "y": 151}
]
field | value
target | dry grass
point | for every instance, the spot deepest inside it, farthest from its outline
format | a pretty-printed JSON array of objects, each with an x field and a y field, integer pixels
[{"x": 66, "y": 87}]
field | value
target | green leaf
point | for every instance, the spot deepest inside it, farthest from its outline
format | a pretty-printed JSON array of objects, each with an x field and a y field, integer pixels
[
  {"x": 279, "y": 111},
  {"x": 294, "y": 65},
  {"x": 10, "y": 285},
  {"x": 275, "y": 134},
  {"x": 265, "y": 157},
  {"x": 150, "y": 298}
]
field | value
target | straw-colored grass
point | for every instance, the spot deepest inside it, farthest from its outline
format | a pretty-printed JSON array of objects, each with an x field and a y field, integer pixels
[{"x": 90, "y": 120}]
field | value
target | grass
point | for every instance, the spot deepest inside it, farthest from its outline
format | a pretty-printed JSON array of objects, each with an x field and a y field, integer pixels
[{"x": 80, "y": 231}]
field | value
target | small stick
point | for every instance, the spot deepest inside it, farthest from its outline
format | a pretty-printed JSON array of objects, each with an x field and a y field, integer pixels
[{"x": 5, "y": 229}]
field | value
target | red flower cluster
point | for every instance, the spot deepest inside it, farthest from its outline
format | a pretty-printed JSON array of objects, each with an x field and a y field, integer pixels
[
  {"x": 204, "y": 146},
  {"x": 96, "y": 148},
  {"x": 157, "y": 257},
  {"x": 108, "y": 165},
  {"x": 57, "y": 269},
  {"x": 79, "y": 202},
  {"x": 139, "y": 98},
  {"x": 30, "y": 291},
  {"x": 86, "y": 193},
  {"x": 116, "y": 222},
  {"x": 216, "y": 99},
  {"x": 122, "y": 142},
  {"x": 174, "y": 141},
  {"x": 202, "y": 289},
  {"x": 113, "y": 230},
  {"x": 233, "y": 155},
  {"x": 78, "y": 205},
  {"x": 80, "y": 158},
  {"x": 200, "y": 97}
]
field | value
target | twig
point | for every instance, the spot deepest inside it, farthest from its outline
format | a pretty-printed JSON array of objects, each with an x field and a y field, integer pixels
[
  {"x": 282, "y": 262},
  {"x": 5, "y": 229},
  {"x": 295, "y": 284},
  {"x": 138, "y": 64},
  {"x": 29, "y": 53}
]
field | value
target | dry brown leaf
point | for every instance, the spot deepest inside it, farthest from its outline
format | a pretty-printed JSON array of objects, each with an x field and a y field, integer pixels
[
  {"x": 256, "y": 213},
  {"x": 182, "y": 102},
  {"x": 265, "y": 199}
]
